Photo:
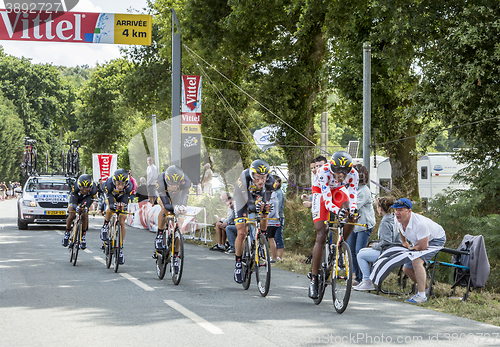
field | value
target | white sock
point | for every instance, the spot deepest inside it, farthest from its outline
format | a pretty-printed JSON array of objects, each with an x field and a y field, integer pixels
[{"x": 422, "y": 294}]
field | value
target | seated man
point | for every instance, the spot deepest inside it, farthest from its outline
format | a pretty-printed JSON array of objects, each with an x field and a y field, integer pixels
[
  {"x": 254, "y": 183},
  {"x": 118, "y": 189},
  {"x": 84, "y": 190},
  {"x": 422, "y": 232},
  {"x": 172, "y": 188},
  {"x": 222, "y": 224}
]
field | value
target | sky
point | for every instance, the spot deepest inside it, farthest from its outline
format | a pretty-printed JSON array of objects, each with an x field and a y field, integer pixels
[{"x": 73, "y": 54}]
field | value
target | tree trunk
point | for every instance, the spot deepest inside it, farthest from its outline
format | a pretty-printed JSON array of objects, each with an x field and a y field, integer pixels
[{"x": 404, "y": 169}]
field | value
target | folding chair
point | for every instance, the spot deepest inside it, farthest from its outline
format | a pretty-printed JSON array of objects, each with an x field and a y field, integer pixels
[{"x": 460, "y": 262}]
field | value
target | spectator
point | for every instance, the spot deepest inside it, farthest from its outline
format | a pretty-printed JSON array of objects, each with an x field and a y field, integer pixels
[
  {"x": 387, "y": 235},
  {"x": 222, "y": 224},
  {"x": 207, "y": 180},
  {"x": 315, "y": 165},
  {"x": 142, "y": 190},
  {"x": 134, "y": 186},
  {"x": 100, "y": 196},
  {"x": 272, "y": 226},
  {"x": 278, "y": 237},
  {"x": 3, "y": 190},
  {"x": 421, "y": 232},
  {"x": 360, "y": 235},
  {"x": 10, "y": 190},
  {"x": 152, "y": 175}
]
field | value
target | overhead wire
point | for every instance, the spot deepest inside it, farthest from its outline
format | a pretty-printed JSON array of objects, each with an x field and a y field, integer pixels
[{"x": 258, "y": 102}]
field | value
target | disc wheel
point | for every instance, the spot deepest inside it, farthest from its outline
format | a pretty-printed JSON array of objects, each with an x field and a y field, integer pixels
[
  {"x": 263, "y": 266},
  {"x": 246, "y": 264},
  {"x": 178, "y": 243},
  {"x": 322, "y": 276},
  {"x": 161, "y": 260},
  {"x": 108, "y": 253},
  {"x": 342, "y": 279},
  {"x": 116, "y": 247}
]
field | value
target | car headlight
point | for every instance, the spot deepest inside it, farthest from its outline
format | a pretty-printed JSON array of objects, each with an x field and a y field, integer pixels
[{"x": 29, "y": 203}]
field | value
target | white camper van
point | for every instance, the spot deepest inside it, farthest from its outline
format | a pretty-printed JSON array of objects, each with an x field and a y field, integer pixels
[{"x": 435, "y": 171}]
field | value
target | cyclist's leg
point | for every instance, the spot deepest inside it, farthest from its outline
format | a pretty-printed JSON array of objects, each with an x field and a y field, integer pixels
[
  {"x": 320, "y": 218},
  {"x": 107, "y": 217},
  {"x": 69, "y": 221},
  {"x": 122, "y": 219}
]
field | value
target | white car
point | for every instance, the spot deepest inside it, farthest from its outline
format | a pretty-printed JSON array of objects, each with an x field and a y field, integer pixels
[{"x": 44, "y": 200}]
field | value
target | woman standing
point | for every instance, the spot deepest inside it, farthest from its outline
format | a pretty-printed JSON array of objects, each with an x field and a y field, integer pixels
[{"x": 359, "y": 237}]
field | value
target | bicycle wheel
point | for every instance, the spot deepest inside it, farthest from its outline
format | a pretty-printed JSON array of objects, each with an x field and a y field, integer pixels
[
  {"x": 342, "y": 279},
  {"x": 178, "y": 242},
  {"x": 34, "y": 162},
  {"x": 68, "y": 163},
  {"x": 71, "y": 244},
  {"x": 76, "y": 244},
  {"x": 116, "y": 247},
  {"x": 263, "y": 266},
  {"x": 161, "y": 259},
  {"x": 76, "y": 163},
  {"x": 246, "y": 263},
  {"x": 322, "y": 275}
]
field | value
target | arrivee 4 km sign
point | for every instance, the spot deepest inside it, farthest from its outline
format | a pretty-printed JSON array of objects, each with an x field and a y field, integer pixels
[{"x": 25, "y": 22}]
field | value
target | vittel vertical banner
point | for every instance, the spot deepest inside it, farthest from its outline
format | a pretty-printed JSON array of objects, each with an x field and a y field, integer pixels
[
  {"x": 103, "y": 165},
  {"x": 191, "y": 127}
]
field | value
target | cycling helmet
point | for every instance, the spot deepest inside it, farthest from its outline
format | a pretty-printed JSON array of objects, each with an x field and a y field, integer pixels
[
  {"x": 174, "y": 175},
  {"x": 341, "y": 161},
  {"x": 85, "y": 181},
  {"x": 260, "y": 167},
  {"x": 120, "y": 175}
]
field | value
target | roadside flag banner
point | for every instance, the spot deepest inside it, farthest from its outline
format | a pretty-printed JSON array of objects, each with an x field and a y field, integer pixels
[
  {"x": 265, "y": 138},
  {"x": 191, "y": 126},
  {"x": 103, "y": 165},
  {"x": 75, "y": 27},
  {"x": 394, "y": 257}
]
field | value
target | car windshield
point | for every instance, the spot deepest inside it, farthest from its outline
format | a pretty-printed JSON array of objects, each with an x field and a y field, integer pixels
[{"x": 46, "y": 184}]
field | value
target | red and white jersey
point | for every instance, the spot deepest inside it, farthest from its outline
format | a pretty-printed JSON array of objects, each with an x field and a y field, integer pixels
[{"x": 325, "y": 182}]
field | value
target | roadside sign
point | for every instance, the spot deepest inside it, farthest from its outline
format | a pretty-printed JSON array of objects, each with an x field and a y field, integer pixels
[{"x": 76, "y": 27}]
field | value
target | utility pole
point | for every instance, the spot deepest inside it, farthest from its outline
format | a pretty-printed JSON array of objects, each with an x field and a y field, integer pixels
[
  {"x": 155, "y": 143},
  {"x": 176, "y": 91},
  {"x": 324, "y": 132},
  {"x": 367, "y": 102}
]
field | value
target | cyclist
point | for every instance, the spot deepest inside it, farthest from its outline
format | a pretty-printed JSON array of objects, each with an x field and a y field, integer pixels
[
  {"x": 172, "y": 188},
  {"x": 117, "y": 189},
  {"x": 82, "y": 194},
  {"x": 251, "y": 194},
  {"x": 334, "y": 190}
]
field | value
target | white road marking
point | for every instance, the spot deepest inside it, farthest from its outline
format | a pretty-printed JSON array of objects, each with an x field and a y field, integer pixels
[
  {"x": 137, "y": 282},
  {"x": 129, "y": 277},
  {"x": 194, "y": 317}
]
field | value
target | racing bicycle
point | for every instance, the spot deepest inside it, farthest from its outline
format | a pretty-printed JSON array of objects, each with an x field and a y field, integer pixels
[
  {"x": 114, "y": 244},
  {"x": 75, "y": 237},
  {"x": 336, "y": 266},
  {"x": 256, "y": 257},
  {"x": 29, "y": 161},
  {"x": 172, "y": 256},
  {"x": 73, "y": 158}
]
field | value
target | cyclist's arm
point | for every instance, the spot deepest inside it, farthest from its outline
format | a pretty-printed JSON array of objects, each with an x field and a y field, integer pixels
[
  {"x": 109, "y": 193},
  {"x": 73, "y": 200}
]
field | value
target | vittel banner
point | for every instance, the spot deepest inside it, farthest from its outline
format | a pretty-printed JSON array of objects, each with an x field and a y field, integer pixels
[
  {"x": 191, "y": 127},
  {"x": 75, "y": 27},
  {"x": 103, "y": 165}
]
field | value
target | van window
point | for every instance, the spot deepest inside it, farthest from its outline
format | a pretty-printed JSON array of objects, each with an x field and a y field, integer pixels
[{"x": 423, "y": 172}]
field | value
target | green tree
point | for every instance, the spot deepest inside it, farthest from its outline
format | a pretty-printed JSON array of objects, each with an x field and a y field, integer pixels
[
  {"x": 11, "y": 135},
  {"x": 395, "y": 37},
  {"x": 105, "y": 121}
]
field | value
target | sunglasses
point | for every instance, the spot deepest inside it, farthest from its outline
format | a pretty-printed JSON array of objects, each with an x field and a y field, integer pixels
[
  {"x": 341, "y": 170},
  {"x": 403, "y": 203}
]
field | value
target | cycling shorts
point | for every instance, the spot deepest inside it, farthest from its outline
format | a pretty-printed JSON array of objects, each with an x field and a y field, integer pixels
[{"x": 319, "y": 210}]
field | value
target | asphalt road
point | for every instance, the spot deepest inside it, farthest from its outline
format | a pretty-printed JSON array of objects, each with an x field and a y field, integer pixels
[{"x": 45, "y": 301}]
